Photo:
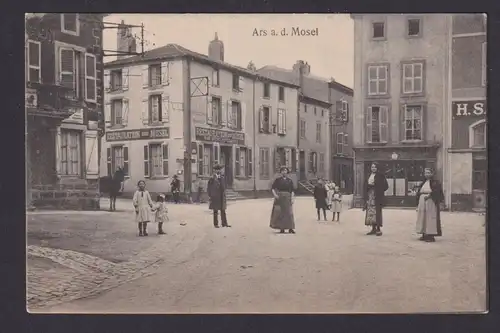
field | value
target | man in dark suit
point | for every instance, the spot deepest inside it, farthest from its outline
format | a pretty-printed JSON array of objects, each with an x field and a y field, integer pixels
[{"x": 216, "y": 189}]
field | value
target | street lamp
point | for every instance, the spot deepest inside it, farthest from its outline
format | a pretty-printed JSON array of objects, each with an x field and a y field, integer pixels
[{"x": 394, "y": 156}]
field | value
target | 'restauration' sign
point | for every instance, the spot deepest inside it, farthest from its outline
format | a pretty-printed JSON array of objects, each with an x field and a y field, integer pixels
[
  {"x": 139, "y": 134},
  {"x": 468, "y": 109},
  {"x": 214, "y": 135}
]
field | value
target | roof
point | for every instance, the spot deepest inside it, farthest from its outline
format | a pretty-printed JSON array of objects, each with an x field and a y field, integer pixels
[
  {"x": 173, "y": 51},
  {"x": 314, "y": 87}
]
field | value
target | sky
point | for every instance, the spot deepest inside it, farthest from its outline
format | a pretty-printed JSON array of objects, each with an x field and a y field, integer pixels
[{"x": 330, "y": 54}]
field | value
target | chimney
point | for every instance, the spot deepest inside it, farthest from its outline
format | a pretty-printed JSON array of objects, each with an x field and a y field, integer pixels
[
  {"x": 125, "y": 41},
  {"x": 216, "y": 49}
]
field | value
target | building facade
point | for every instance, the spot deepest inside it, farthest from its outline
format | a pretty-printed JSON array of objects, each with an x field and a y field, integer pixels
[
  {"x": 467, "y": 158},
  {"x": 174, "y": 110},
  {"x": 64, "y": 99},
  {"x": 402, "y": 95}
]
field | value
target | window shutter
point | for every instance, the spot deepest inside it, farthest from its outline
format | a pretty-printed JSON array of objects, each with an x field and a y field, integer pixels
[
  {"x": 237, "y": 162},
  {"x": 125, "y": 112},
  {"x": 229, "y": 114},
  {"x": 146, "y": 161},
  {"x": 241, "y": 83},
  {"x": 165, "y": 109},
  {"x": 107, "y": 80},
  {"x": 67, "y": 68},
  {"x": 145, "y": 76},
  {"x": 347, "y": 113},
  {"x": 125, "y": 77},
  {"x": 338, "y": 110},
  {"x": 346, "y": 140},
  {"x": 368, "y": 127},
  {"x": 261, "y": 119},
  {"x": 125, "y": 161},
  {"x": 223, "y": 113},
  {"x": 250, "y": 162},
  {"x": 275, "y": 165},
  {"x": 383, "y": 124},
  {"x": 288, "y": 158},
  {"x": 108, "y": 161},
  {"x": 165, "y": 79},
  {"x": 242, "y": 115},
  {"x": 210, "y": 112},
  {"x": 107, "y": 114},
  {"x": 165, "y": 159},
  {"x": 215, "y": 152},
  {"x": 270, "y": 121},
  {"x": 200, "y": 159},
  {"x": 284, "y": 121},
  {"x": 145, "y": 111}
]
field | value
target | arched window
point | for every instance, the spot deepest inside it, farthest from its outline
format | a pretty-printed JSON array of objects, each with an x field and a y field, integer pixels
[{"x": 477, "y": 134}]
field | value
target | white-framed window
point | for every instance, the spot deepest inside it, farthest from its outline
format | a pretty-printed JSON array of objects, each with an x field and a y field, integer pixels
[
  {"x": 117, "y": 112},
  {"x": 267, "y": 90},
  {"x": 377, "y": 124},
  {"x": 118, "y": 79},
  {"x": 484, "y": 67},
  {"x": 215, "y": 78},
  {"x": 281, "y": 121},
  {"x": 214, "y": 111},
  {"x": 378, "y": 30},
  {"x": 342, "y": 142},
  {"x": 156, "y": 160},
  {"x": 67, "y": 77},
  {"x": 70, "y": 24},
  {"x": 281, "y": 94},
  {"x": 477, "y": 134},
  {"x": 155, "y": 75},
  {"x": 413, "y": 77},
  {"x": 90, "y": 78},
  {"x": 264, "y": 170},
  {"x": 303, "y": 126},
  {"x": 413, "y": 115},
  {"x": 318, "y": 132},
  {"x": 265, "y": 119},
  {"x": 156, "y": 109},
  {"x": 236, "y": 82},
  {"x": 34, "y": 59},
  {"x": 378, "y": 80},
  {"x": 234, "y": 115},
  {"x": 414, "y": 27},
  {"x": 117, "y": 157},
  {"x": 70, "y": 152},
  {"x": 243, "y": 162}
]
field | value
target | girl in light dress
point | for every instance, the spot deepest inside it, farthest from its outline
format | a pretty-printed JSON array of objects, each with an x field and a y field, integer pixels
[
  {"x": 336, "y": 203},
  {"x": 161, "y": 213},
  {"x": 143, "y": 205}
]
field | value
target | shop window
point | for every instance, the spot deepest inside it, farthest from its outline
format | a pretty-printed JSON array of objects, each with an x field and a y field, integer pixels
[
  {"x": 243, "y": 162},
  {"x": 156, "y": 160},
  {"x": 117, "y": 157}
]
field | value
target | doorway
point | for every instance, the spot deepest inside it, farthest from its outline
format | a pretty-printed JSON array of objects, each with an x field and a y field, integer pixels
[
  {"x": 302, "y": 165},
  {"x": 479, "y": 182},
  {"x": 226, "y": 159}
]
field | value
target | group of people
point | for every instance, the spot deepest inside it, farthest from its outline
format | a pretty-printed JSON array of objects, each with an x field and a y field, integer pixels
[{"x": 327, "y": 196}]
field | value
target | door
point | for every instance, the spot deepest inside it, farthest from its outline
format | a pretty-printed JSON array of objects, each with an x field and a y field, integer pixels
[
  {"x": 479, "y": 183},
  {"x": 302, "y": 165},
  {"x": 226, "y": 158}
]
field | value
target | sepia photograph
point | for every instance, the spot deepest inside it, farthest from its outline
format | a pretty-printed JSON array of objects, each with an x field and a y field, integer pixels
[{"x": 256, "y": 163}]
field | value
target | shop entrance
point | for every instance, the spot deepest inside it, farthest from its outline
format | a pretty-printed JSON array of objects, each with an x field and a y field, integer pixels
[
  {"x": 479, "y": 182},
  {"x": 226, "y": 160}
]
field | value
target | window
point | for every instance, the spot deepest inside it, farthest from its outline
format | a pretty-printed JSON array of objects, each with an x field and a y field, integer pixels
[
  {"x": 214, "y": 113},
  {"x": 264, "y": 171},
  {"x": 302, "y": 128},
  {"x": 90, "y": 78},
  {"x": 117, "y": 111},
  {"x": 215, "y": 78},
  {"x": 413, "y": 78},
  {"x": 414, "y": 28},
  {"x": 154, "y": 75},
  {"x": 305, "y": 108},
  {"x": 205, "y": 159},
  {"x": 281, "y": 121},
  {"x": 67, "y": 68},
  {"x": 479, "y": 173},
  {"x": 321, "y": 162},
  {"x": 234, "y": 116},
  {"x": 484, "y": 67},
  {"x": 344, "y": 114},
  {"x": 378, "y": 30},
  {"x": 281, "y": 94},
  {"x": 478, "y": 135},
  {"x": 236, "y": 82},
  {"x": 322, "y": 113},
  {"x": 342, "y": 142},
  {"x": 70, "y": 153},
  {"x": 117, "y": 157},
  {"x": 156, "y": 160},
  {"x": 377, "y": 79},
  {"x": 70, "y": 24},
  {"x": 376, "y": 124},
  {"x": 313, "y": 162},
  {"x": 116, "y": 79},
  {"x": 267, "y": 90},
  {"x": 318, "y": 132},
  {"x": 265, "y": 123},
  {"x": 413, "y": 122},
  {"x": 34, "y": 61},
  {"x": 243, "y": 162},
  {"x": 315, "y": 111},
  {"x": 155, "y": 107}
]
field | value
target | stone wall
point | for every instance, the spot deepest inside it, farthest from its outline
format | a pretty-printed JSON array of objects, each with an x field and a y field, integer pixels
[{"x": 61, "y": 196}]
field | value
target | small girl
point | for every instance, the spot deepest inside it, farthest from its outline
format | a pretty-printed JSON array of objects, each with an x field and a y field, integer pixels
[
  {"x": 336, "y": 203},
  {"x": 161, "y": 212},
  {"x": 143, "y": 205}
]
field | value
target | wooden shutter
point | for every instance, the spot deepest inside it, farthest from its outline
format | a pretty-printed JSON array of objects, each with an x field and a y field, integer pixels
[
  {"x": 277, "y": 160},
  {"x": 237, "y": 162},
  {"x": 215, "y": 81},
  {"x": 210, "y": 112},
  {"x": 216, "y": 153},
  {"x": 145, "y": 111},
  {"x": 108, "y": 161},
  {"x": 261, "y": 119},
  {"x": 125, "y": 161},
  {"x": 242, "y": 115},
  {"x": 145, "y": 76},
  {"x": 250, "y": 162},
  {"x": 284, "y": 121},
  {"x": 383, "y": 116},
  {"x": 107, "y": 80},
  {"x": 368, "y": 125},
  {"x": 241, "y": 83},
  {"x": 294, "y": 160},
  {"x": 125, "y": 109},
  {"x": 107, "y": 114},
  {"x": 347, "y": 113},
  {"x": 165, "y": 80},
  {"x": 125, "y": 78},
  {"x": 146, "y": 161},
  {"x": 200, "y": 159},
  {"x": 229, "y": 114},
  {"x": 346, "y": 142},
  {"x": 339, "y": 143},
  {"x": 223, "y": 113},
  {"x": 165, "y": 109},
  {"x": 165, "y": 159},
  {"x": 338, "y": 110}
]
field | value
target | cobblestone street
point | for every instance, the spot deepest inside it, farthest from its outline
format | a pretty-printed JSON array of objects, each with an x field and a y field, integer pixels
[{"x": 94, "y": 262}]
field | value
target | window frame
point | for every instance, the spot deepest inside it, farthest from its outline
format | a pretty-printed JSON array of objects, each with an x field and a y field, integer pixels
[
  {"x": 77, "y": 25},
  {"x": 236, "y": 79},
  {"x": 264, "y": 165},
  {"x": 112, "y": 86},
  {"x": 472, "y": 134},
  {"x": 149, "y": 162},
  {"x": 378, "y": 94},
  {"x": 73, "y": 72},
  {"x": 484, "y": 64},
  {"x": 321, "y": 164},
  {"x": 65, "y": 137},
  {"x": 281, "y": 121},
  {"x": 372, "y": 30},
  {"x": 303, "y": 129},
  {"x": 159, "y": 74},
  {"x": 30, "y": 66},
  {"x": 369, "y": 128},
  {"x": 160, "y": 108},
  {"x": 420, "y": 25},
  {"x": 216, "y": 74},
  {"x": 423, "y": 77},
  {"x": 281, "y": 94},
  {"x": 339, "y": 143},
  {"x": 94, "y": 78},
  {"x": 113, "y": 112},
  {"x": 211, "y": 119},
  {"x": 112, "y": 159},
  {"x": 268, "y": 90},
  {"x": 422, "y": 115},
  {"x": 319, "y": 130}
]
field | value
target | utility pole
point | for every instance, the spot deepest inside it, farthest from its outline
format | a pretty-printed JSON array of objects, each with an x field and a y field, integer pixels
[{"x": 187, "y": 128}]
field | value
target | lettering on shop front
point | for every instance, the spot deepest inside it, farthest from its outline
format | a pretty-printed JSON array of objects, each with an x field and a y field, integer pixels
[
  {"x": 213, "y": 135},
  {"x": 468, "y": 109},
  {"x": 139, "y": 134}
]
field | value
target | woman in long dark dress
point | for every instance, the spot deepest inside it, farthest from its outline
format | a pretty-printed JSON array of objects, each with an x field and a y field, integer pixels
[
  {"x": 320, "y": 197},
  {"x": 375, "y": 188},
  {"x": 429, "y": 196},
  {"x": 282, "y": 213}
]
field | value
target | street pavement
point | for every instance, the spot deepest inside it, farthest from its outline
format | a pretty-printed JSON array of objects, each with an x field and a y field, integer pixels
[{"x": 93, "y": 262}]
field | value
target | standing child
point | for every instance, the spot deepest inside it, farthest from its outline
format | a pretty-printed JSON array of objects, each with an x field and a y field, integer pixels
[
  {"x": 336, "y": 203},
  {"x": 161, "y": 213},
  {"x": 143, "y": 205}
]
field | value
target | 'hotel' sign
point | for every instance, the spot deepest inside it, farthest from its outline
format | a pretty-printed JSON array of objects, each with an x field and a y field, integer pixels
[
  {"x": 139, "y": 134},
  {"x": 468, "y": 109}
]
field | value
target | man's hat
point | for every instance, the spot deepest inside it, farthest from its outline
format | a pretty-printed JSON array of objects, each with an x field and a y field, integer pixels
[{"x": 217, "y": 167}]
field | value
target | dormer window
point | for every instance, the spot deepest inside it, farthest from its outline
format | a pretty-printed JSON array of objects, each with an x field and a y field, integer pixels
[{"x": 70, "y": 24}]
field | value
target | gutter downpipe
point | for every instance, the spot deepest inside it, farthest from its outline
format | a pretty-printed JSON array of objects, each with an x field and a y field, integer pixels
[{"x": 254, "y": 143}]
